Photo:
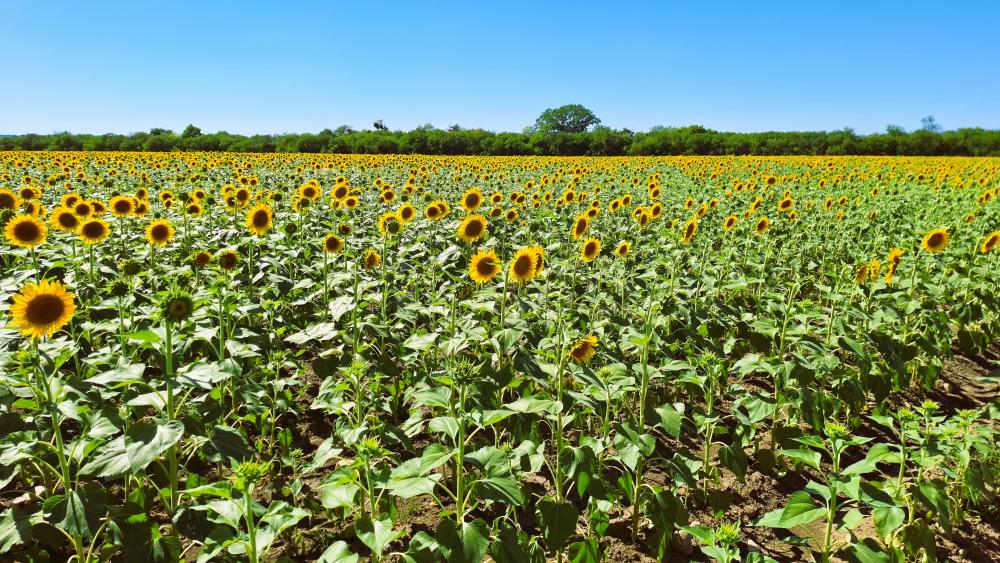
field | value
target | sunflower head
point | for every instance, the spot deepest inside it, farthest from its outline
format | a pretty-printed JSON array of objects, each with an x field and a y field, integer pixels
[
  {"x": 25, "y": 231},
  {"x": 523, "y": 265},
  {"x": 623, "y": 249},
  {"x": 389, "y": 224},
  {"x": 228, "y": 259},
  {"x": 202, "y": 258},
  {"x": 590, "y": 250},
  {"x": 484, "y": 266},
  {"x": 690, "y": 228},
  {"x": 990, "y": 242},
  {"x": 584, "y": 349},
  {"x": 333, "y": 244},
  {"x": 729, "y": 223},
  {"x": 580, "y": 226},
  {"x": 64, "y": 219},
  {"x": 94, "y": 230},
  {"x": 762, "y": 225},
  {"x": 260, "y": 219},
  {"x": 472, "y": 228},
  {"x": 371, "y": 260},
  {"x": 935, "y": 241},
  {"x": 159, "y": 232},
  {"x": 177, "y": 306},
  {"x": 42, "y": 308}
]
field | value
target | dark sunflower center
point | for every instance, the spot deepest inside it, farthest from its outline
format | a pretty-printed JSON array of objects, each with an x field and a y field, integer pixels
[
  {"x": 333, "y": 244},
  {"x": 123, "y": 207},
  {"x": 6, "y": 201},
  {"x": 260, "y": 219},
  {"x": 485, "y": 266},
  {"x": 27, "y": 231},
  {"x": 472, "y": 200},
  {"x": 45, "y": 309},
  {"x": 474, "y": 228},
  {"x": 591, "y": 249},
  {"x": 160, "y": 232},
  {"x": 67, "y": 220},
  {"x": 523, "y": 265},
  {"x": 935, "y": 240},
  {"x": 93, "y": 229}
]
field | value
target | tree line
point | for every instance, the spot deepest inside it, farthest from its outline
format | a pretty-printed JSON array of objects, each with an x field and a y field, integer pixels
[{"x": 566, "y": 131}]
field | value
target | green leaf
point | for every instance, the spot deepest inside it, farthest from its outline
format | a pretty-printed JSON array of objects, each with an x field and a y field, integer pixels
[
  {"x": 466, "y": 543},
  {"x": 888, "y": 520},
  {"x": 444, "y": 425},
  {"x": 557, "y": 521},
  {"x": 15, "y": 528},
  {"x": 937, "y": 501},
  {"x": 670, "y": 420},
  {"x": 141, "y": 445},
  {"x": 631, "y": 445},
  {"x": 334, "y": 494},
  {"x": 227, "y": 444},
  {"x": 79, "y": 512},
  {"x": 799, "y": 510},
  {"x": 808, "y": 457},
  {"x": 376, "y": 534},
  {"x": 588, "y": 551},
  {"x": 421, "y": 342},
  {"x": 338, "y": 553}
]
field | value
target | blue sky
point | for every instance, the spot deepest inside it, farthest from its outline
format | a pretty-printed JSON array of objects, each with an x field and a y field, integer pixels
[{"x": 276, "y": 67}]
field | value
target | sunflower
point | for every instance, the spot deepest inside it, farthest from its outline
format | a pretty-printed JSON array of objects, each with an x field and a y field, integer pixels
[
  {"x": 892, "y": 263},
  {"x": 63, "y": 219},
  {"x": 345, "y": 229},
  {"x": 333, "y": 244},
  {"x": 389, "y": 224},
  {"x": 351, "y": 202},
  {"x": 159, "y": 232},
  {"x": 444, "y": 207},
  {"x": 623, "y": 248},
  {"x": 98, "y": 207},
  {"x": 861, "y": 272},
  {"x": 406, "y": 213},
  {"x": 387, "y": 196},
  {"x": 372, "y": 259},
  {"x": 9, "y": 199},
  {"x": 309, "y": 191},
  {"x": 990, "y": 242},
  {"x": 340, "y": 192},
  {"x": 935, "y": 241},
  {"x": 242, "y": 196},
  {"x": 260, "y": 219},
  {"x": 523, "y": 266},
  {"x": 786, "y": 204},
  {"x": 472, "y": 228},
  {"x": 94, "y": 230},
  {"x": 690, "y": 228},
  {"x": 763, "y": 224},
  {"x": 583, "y": 351},
  {"x": 472, "y": 199},
  {"x": 432, "y": 211},
  {"x": 43, "y": 308},
  {"x": 228, "y": 259},
  {"x": 580, "y": 226},
  {"x": 729, "y": 223},
  {"x": 194, "y": 209},
  {"x": 202, "y": 258},
  {"x": 25, "y": 231},
  {"x": 484, "y": 266},
  {"x": 590, "y": 250}
]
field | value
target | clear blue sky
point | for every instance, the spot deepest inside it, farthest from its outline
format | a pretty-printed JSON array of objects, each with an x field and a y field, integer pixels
[{"x": 276, "y": 67}]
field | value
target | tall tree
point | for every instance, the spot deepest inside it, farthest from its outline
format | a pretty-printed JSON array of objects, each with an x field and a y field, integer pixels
[{"x": 571, "y": 118}]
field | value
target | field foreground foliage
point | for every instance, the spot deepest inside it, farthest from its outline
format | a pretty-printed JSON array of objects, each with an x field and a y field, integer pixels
[{"x": 212, "y": 356}]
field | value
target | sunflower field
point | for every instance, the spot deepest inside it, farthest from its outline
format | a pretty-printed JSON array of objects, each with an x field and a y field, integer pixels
[{"x": 221, "y": 357}]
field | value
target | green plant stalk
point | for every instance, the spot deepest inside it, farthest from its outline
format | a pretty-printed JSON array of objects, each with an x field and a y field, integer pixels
[
  {"x": 251, "y": 526},
  {"x": 644, "y": 389},
  {"x": 57, "y": 434},
  {"x": 168, "y": 358}
]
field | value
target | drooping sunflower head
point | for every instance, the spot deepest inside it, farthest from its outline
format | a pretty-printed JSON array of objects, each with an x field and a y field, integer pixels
[
  {"x": 590, "y": 250},
  {"x": 159, "y": 232},
  {"x": 472, "y": 228},
  {"x": 935, "y": 241},
  {"x": 763, "y": 224},
  {"x": 472, "y": 199},
  {"x": 584, "y": 349},
  {"x": 484, "y": 266},
  {"x": 690, "y": 228},
  {"x": 371, "y": 259},
  {"x": 991, "y": 242},
  {"x": 25, "y": 231},
  {"x": 94, "y": 230},
  {"x": 333, "y": 244},
  {"x": 42, "y": 308},
  {"x": 522, "y": 267},
  {"x": 623, "y": 249},
  {"x": 260, "y": 219}
]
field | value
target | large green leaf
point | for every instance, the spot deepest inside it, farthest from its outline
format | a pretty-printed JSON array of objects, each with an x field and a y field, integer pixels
[
  {"x": 144, "y": 442},
  {"x": 799, "y": 510},
  {"x": 338, "y": 552},
  {"x": 376, "y": 534},
  {"x": 15, "y": 528},
  {"x": 557, "y": 519},
  {"x": 466, "y": 543}
]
